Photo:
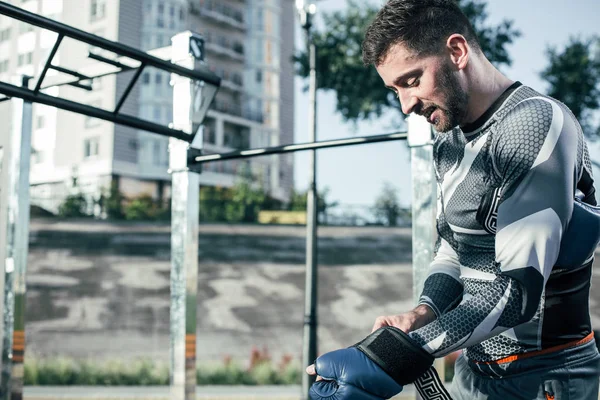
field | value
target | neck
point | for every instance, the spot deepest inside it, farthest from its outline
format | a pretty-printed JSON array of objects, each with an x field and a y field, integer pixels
[{"x": 486, "y": 86}]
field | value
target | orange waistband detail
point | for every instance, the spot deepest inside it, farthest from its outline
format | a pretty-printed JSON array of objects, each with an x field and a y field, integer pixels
[{"x": 516, "y": 357}]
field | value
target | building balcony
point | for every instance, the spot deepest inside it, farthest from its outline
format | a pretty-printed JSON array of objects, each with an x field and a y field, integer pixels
[
  {"x": 236, "y": 110},
  {"x": 235, "y": 85},
  {"x": 233, "y": 52},
  {"x": 220, "y": 15}
]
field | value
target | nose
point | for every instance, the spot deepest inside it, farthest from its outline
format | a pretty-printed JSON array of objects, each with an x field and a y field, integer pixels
[{"x": 407, "y": 102}]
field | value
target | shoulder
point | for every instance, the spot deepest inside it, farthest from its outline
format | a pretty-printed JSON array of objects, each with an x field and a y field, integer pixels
[
  {"x": 527, "y": 124},
  {"x": 533, "y": 115}
]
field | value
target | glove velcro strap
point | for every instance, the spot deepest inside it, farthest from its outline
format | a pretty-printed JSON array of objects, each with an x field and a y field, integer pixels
[{"x": 397, "y": 354}]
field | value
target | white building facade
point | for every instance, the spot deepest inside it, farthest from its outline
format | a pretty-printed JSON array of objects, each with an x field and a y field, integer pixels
[{"x": 249, "y": 44}]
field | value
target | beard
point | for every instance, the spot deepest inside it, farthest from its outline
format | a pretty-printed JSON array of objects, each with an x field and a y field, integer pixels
[{"x": 455, "y": 98}]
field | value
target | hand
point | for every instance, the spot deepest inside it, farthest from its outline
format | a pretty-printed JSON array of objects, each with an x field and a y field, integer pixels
[
  {"x": 408, "y": 321},
  {"x": 311, "y": 371},
  {"x": 348, "y": 374}
]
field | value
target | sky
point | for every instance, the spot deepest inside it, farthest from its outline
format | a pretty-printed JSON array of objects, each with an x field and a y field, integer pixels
[{"x": 355, "y": 175}]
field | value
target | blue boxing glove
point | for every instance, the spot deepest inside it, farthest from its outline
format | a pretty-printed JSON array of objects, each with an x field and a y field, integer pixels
[
  {"x": 350, "y": 374},
  {"x": 373, "y": 369}
]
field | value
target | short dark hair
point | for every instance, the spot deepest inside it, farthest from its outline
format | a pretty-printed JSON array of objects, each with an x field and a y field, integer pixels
[{"x": 422, "y": 25}]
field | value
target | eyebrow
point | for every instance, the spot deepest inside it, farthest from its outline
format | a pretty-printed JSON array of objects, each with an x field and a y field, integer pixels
[{"x": 407, "y": 75}]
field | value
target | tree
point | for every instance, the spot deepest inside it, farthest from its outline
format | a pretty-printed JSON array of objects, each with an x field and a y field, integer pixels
[
  {"x": 212, "y": 203},
  {"x": 387, "y": 206},
  {"x": 246, "y": 198},
  {"x": 359, "y": 90},
  {"x": 573, "y": 75}
]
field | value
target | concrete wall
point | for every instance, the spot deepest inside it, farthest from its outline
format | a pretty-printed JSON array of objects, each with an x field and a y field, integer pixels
[{"x": 102, "y": 291}]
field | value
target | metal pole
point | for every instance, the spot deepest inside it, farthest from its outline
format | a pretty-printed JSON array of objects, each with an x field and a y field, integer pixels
[
  {"x": 424, "y": 195},
  {"x": 184, "y": 231},
  {"x": 16, "y": 248},
  {"x": 311, "y": 300}
]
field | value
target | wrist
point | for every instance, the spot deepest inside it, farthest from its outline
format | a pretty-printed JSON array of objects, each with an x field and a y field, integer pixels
[{"x": 425, "y": 314}]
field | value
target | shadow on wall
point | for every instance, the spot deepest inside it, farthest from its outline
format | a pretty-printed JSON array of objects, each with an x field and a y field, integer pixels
[{"x": 234, "y": 247}]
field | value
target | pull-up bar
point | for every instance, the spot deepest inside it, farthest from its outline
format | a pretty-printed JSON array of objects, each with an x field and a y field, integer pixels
[
  {"x": 200, "y": 73},
  {"x": 289, "y": 148},
  {"x": 203, "y": 74},
  {"x": 95, "y": 112}
]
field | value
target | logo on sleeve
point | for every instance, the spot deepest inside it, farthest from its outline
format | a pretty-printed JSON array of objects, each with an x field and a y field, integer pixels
[{"x": 487, "y": 214}]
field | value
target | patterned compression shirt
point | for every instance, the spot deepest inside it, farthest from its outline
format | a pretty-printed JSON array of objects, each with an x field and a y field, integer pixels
[{"x": 506, "y": 190}]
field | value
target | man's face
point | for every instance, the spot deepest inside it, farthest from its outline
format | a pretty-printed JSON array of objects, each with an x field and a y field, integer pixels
[{"x": 428, "y": 86}]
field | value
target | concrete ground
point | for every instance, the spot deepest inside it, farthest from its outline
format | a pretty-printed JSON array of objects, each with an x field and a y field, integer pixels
[{"x": 162, "y": 393}]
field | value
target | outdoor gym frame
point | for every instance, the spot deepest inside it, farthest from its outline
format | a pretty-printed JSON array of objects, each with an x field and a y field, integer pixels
[{"x": 194, "y": 86}]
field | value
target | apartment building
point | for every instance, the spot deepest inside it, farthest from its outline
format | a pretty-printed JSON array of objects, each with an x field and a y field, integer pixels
[{"x": 249, "y": 44}]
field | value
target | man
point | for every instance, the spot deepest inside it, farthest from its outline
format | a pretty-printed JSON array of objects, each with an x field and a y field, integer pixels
[{"x": 510, "y": 163}]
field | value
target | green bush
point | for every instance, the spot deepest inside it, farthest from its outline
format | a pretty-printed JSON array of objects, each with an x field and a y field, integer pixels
[
  {"x": 230, "y": 373},
  {"x": 146, "y": 372},
  {"x": 75, "y": 205},
  {"x": 145, "y": 208},
  {"x": 113, "y": 203},
  {"x": 141, "y": 208}
]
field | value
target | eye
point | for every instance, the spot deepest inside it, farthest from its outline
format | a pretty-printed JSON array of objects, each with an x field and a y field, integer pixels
[{"x": 412, "y": 82}]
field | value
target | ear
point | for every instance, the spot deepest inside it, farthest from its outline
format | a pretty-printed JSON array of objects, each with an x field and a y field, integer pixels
[{"x": 458, "y": 50}]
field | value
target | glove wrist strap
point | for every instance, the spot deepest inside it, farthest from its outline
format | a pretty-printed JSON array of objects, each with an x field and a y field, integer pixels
[{"x": 397, "y": 354}]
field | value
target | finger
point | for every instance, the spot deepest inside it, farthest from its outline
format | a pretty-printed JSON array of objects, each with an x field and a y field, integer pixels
[
  {"x": 378, "y": 324},
  {"x": 311, "y": 370},
  {"x": 319, "y": 378}
]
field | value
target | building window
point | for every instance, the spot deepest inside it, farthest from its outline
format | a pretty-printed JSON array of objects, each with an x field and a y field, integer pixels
[
  {"x": 157, "y": 153},
  {"x": 90, "y": 147},
  {"x": 258, "y": 76},
  {"x": 160, "y": 22},
  {"x": 259, "y": 22},
  {"x": 158, "y": 89},
  {"x": 169, "y": 114},
  {"x": 156, "y": 115},
  {"x": 236, "y": 136},
  {"x": 4, "y": 66},
  {"x": 38, "y": 156},
  {"x": 172, "y": 11},
  {"x": 161, "y": 8},
  {"x": 40, "y": 122},
  {"x": 146, "y": 78},
  {"x": 97, "y": 9},
  {"x": 181, "y": 14},
  {"x": 24, "y": 59},
  {"x": 4, "y": 35},
  {"x": 25, "y": 28},
  {"x": 209, "y": 131}
]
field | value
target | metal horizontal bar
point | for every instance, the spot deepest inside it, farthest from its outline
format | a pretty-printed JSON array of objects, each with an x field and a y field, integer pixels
[
  {"x": 401, "y": 135},
  {"x": 69, "y": 72},
  {"x": 202, "y": 73},
  {"x": 63, "y": 104},
  {"x": 105, "y": 60}
]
